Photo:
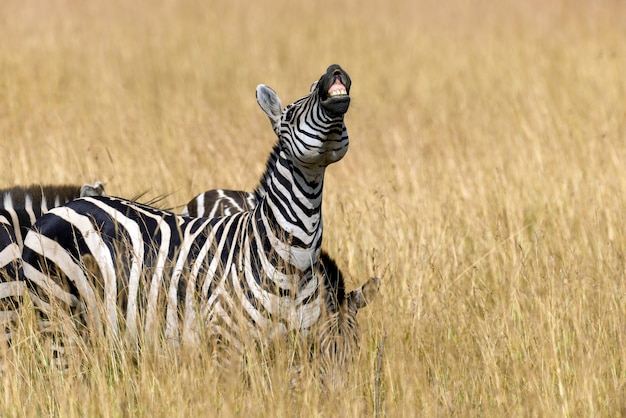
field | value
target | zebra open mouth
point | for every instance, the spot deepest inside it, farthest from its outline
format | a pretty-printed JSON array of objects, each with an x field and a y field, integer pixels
[
  {"x": 337, "y": 89},
  {"x": 334, "y": 91}
]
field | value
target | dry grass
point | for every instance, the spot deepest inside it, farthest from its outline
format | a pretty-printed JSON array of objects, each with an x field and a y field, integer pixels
[{"x": 484, "y": 181}]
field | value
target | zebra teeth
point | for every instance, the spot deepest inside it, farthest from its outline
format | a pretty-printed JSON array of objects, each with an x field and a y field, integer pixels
[{"x": 337, "y": 92}]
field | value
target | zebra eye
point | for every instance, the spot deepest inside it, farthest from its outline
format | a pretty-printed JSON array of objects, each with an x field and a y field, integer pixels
[{"x": 289, "y": 114}]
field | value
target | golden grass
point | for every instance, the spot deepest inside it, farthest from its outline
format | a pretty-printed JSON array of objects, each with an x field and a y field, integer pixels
[{"x": 484, "y": 182}]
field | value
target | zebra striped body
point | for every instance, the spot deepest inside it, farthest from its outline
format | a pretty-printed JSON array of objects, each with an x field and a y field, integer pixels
[
  {"x": 20, "y": 207},
  {"x": 250, "y": 275}
]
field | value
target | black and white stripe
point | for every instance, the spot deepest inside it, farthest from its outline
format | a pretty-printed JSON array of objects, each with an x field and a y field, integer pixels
[
  {"x": 251, "y": 275},
  {"x": 20, "y": 207}
]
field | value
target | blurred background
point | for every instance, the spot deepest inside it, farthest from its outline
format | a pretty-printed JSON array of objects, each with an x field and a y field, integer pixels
[{"x": 484, "y": 179}]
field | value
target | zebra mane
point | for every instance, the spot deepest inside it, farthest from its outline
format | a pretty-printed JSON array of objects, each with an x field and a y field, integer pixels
[
  {"x": 156, "y": 201},
  {"x": 270, "y": 167}
]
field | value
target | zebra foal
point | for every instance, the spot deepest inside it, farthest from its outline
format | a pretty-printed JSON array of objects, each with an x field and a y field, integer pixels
[{"x": 250, "y": 275}]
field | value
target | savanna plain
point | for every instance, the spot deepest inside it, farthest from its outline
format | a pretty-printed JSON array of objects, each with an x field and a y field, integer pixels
[{"x": 484, "y": 183}]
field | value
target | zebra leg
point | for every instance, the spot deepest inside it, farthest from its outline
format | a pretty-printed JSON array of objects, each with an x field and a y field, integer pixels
[{"x": 62, "y": 317}]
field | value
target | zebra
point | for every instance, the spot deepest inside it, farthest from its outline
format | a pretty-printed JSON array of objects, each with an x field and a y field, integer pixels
[
  {"x": 129, "y": 268},
  {"x": 20, "y": 207}
]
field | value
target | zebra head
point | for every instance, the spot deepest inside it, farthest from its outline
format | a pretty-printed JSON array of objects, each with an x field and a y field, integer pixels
[
  {"x": 311, "y": 130},
  {"x": 338, "y": 335}
]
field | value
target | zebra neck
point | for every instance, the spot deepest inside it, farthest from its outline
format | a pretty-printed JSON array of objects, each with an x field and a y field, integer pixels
[{"x": 290, "y": 212}]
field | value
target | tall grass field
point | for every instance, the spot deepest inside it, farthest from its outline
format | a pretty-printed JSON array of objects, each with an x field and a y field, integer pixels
[{"x": 485, "y": 183}]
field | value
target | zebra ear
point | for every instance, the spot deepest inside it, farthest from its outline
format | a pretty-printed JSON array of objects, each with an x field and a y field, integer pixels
[
  {"x": 97, "y": 189},
  {"x": 270, "y": 103},
  {"x": 363, "y": 295}
]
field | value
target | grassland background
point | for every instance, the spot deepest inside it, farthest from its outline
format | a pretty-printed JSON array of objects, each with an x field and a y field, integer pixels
[{"x": 485, "y": 182}]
